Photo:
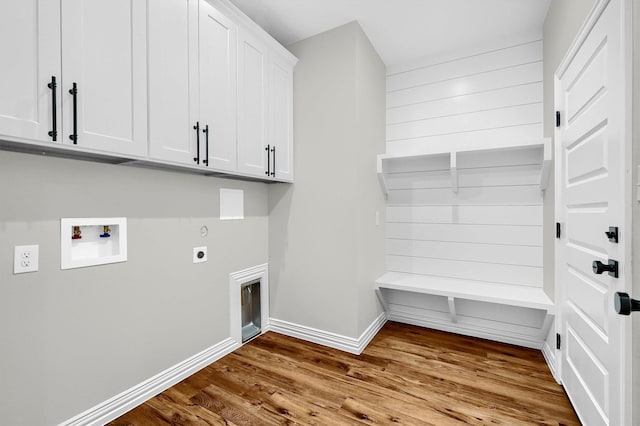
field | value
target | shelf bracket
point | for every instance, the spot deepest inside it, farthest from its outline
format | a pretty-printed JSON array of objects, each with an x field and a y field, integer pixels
[
  {"x": 452, "y": 309},
  {"x": 381, "y": 169},
  {"x": 546, "y": 164},
  {"x": 454, "y": 172}
]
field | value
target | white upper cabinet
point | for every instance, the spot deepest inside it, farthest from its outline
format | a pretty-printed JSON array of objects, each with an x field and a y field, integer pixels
[
  {"x": 173, "y": 80},
  {"x": 218, "y": 55},
  {"x": 192, "y": 84},
  {"x": 104, "y": 50},
  {"x": 281, "y": 117},
  {"x": 265, "y": 103},
  {"x": 177, "y": 82},
  {"x": 95, "y": 46},
  {"x": 30, "y": 51},
  {"x": 253, "y": 151}
]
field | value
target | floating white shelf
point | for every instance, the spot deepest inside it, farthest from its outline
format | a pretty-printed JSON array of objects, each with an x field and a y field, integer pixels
[{"x": 455, "y": 154}]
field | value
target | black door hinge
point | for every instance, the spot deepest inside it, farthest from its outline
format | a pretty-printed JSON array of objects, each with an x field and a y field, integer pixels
[
  {"x": 557, "y": 340},
  {"x": 558, "y": 231},
  {"x": 557, "y": 118}
]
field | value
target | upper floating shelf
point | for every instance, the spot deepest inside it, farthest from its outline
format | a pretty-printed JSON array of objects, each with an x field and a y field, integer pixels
[{"x": 455, "y": 155}]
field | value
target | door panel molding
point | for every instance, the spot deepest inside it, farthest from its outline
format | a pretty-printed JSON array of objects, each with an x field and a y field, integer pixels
[{"x": 592, "y": 83}]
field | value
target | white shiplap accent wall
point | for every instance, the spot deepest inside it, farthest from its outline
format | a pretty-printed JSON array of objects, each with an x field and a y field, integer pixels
[
  {"x": 490, "y": 230},
  {"x": 490, "y": 97}
]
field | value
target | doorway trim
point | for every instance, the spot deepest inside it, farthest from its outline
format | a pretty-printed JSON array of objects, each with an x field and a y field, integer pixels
[{"x": 626, "y": 62}]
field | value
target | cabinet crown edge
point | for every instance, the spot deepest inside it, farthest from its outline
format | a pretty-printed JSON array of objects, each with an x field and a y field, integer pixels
[{"x": 233, "y": 12}]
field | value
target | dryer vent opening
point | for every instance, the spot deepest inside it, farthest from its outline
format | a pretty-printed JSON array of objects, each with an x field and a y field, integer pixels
[{"x": 250, "y": 307}]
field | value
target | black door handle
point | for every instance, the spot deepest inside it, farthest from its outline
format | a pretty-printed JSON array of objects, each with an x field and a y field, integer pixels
[
  {"x": 74, "y": 92},
  {"x": 273, "y": 150},
  {"x": 206, "y": 145},
  {"x": 268, "y": 172},
  {"x": 611, "y": 267},
  {"x": 197, "y": 129},
  {"x": 54, "y": 113},
  {"x": 624, "y": 304}
]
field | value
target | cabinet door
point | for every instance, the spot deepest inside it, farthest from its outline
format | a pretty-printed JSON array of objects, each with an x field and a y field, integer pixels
[
  {"x": 104, "y": 53},
  {"x": 252, "y": 106},
  {"x": 218, "y": 55},
  {"x": 173, "y": 80},
  {"x": 30, "y": 52},
  {"x": 281, "y": 118}
]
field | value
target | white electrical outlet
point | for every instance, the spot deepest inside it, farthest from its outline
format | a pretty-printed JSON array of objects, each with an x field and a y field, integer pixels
[
  {"x": 199, "y": 254},
  {"x": 25, "y": 259}
]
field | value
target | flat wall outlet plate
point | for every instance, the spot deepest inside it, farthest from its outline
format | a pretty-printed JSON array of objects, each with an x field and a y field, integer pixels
[
  {"x": 25, "y": 259},
  {"x": 199, "y": 254}
]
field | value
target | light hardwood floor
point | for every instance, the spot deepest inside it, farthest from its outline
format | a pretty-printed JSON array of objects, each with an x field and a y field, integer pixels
[{"x": 407, "y": 375}]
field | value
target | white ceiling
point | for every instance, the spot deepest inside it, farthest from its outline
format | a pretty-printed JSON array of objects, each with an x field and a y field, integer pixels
[{"x": 403, "y": 31}]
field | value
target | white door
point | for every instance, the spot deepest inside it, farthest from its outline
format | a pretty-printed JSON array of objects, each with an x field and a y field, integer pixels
[
  {"x": 30, "y": 52},
  {"x": 218, "y": 56},
  {"x": 173, "y": 80},
  {"x": 104, "y": 54},
  {"x": 252, "y": 106},
  {"x": 281, "y": 118},
  {"x": 593, "y": 181}
]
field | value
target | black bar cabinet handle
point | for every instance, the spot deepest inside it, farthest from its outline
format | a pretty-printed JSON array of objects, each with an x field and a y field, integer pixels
[
  {"x": 197, "y": 129},
  {"x": 74, "y": 136},
  {"x": 54, "y": 112},
  {"x": 206, "y": 145},
  {"x": 268, "y": 172},
  {"x": 273, "y": 150}
]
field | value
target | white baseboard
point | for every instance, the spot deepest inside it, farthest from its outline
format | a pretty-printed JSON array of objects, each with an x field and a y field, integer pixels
[
  {"x": 371, "y": 331},
  {"x": 131, "y": 398},
  {"x": 550, "y": 357},
  {"x": 325, "y": 338},
  {"x": 466, "y": 330}
]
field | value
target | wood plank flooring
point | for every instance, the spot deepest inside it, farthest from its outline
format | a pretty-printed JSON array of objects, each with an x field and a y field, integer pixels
[{"x": 407, "y": 375}]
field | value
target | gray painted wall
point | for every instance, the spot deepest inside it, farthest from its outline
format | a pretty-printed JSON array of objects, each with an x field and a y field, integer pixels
[
  {"x": 371, "y": 119},
  {"x": 563, "y": 21},
  {"x": 75, "y": 338},
  {"x": 325, "y": 250}
]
